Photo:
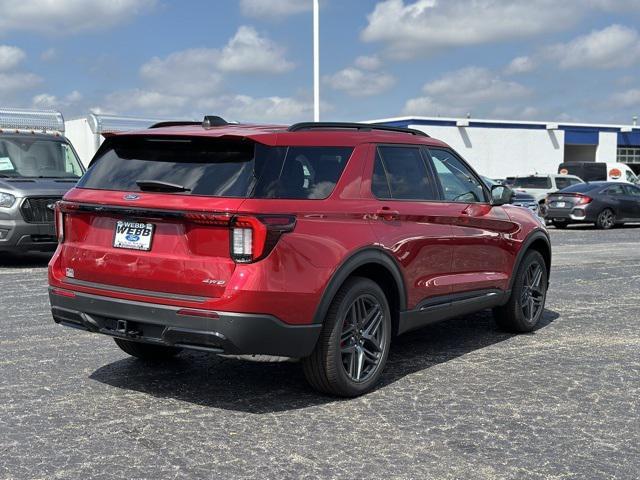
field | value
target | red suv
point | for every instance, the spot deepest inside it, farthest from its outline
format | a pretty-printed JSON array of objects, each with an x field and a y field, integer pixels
[{"x": 320, "y": 241}]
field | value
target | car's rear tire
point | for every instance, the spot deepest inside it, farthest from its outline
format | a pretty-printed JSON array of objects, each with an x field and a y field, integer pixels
[
  {"x": 528, "y": 295},
  {"x": 352, "y": 350},
  {"x": 606, "y": 219},
  {"x": 560, "y": 225},
  {"x": 147, "y": 351}
]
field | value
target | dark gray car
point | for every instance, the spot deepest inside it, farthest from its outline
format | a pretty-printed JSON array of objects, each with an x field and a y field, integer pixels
[
  {"x": 36, "y": 170},
  {"x": 603, "y": 203}
]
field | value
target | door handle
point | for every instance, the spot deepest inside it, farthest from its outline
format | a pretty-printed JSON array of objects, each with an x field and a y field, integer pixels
[{"x": 387, "y": 214}]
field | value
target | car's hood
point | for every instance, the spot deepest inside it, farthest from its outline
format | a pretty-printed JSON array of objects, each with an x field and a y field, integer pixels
[{"x": 36, "y": 186}]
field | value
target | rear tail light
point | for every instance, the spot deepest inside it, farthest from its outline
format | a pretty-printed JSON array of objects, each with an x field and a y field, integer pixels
[
  {"x": 582, "y": 200},
  {"x": 59, "y": 215},
  {"x": 253, "y": 238}
]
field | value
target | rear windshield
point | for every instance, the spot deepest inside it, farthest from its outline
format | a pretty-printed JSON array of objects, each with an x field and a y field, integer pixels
[
  {"x": 581, "y": 187},
  {"x": 241, "y": 169},
  {"x": 532, "y": 182}
]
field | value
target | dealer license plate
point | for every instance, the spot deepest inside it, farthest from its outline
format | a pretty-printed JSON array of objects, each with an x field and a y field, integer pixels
[{"x": 133, "y": 235}]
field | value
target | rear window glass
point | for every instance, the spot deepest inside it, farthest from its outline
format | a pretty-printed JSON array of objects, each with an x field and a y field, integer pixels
[
  {"x": 532, "y": 182},
  {"x": 580, "y": 187},
  {"x": 242, "y": 169}
]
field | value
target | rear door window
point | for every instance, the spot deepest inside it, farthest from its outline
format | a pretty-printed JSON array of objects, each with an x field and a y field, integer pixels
[
  {"x": 616, "y": 190},
  {"x": 202, "y": 166},
  {"x": 401, "y": 173}
]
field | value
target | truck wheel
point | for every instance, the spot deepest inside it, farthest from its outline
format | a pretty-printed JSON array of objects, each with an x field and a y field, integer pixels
[
  {"x": 606, "y": 219},
  {"x": 525, "y": 306},
  {"x": 147, "y": 351},
  {"x": 352, "y": 350}
]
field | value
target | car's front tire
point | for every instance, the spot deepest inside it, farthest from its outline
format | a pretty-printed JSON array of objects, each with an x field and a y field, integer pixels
[
  {"x": 147, "y": 351},
  {"x": 352, "y": 350},
  {"x": 528, "y": 295}
]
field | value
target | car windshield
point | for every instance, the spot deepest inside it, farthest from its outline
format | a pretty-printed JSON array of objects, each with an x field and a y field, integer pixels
[
  {"x": 532, "y": 182},
  {"x": 24, "y": 157}
]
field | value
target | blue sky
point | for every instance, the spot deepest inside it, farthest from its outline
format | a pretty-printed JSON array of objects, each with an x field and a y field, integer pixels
[{"x": 250, "y": 60}]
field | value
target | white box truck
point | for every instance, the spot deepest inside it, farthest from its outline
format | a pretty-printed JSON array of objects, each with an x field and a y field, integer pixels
[{"x": 87, "y": 133}]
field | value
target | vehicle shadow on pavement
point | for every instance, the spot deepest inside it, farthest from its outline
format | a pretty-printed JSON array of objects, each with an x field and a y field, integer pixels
[
  {"x": 259, "y": 388},
  {"x": 24, "y": 260}
]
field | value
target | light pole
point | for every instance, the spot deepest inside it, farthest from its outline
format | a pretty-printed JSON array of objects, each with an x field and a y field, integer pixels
[{"x": 316, "y": 61}]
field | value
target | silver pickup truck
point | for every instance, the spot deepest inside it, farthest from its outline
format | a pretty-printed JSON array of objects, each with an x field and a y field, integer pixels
[{"x": 38, "y": 166}]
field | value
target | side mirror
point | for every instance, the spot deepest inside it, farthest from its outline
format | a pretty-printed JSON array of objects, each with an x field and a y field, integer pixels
[{"x": 501, "y": 195}]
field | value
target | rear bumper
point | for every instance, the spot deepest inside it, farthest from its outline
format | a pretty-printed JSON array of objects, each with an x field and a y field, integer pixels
[
  {"x": 233, "y": 333},
  {"x": 18, "y": 235},
  {"x": 571, "y": 215}
]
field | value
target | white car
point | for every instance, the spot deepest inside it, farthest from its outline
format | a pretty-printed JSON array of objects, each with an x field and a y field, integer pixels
[{"x": 541, "y": 185}]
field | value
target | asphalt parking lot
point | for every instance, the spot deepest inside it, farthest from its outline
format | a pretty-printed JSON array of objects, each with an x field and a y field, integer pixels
[{"x": 459, "y": 399}]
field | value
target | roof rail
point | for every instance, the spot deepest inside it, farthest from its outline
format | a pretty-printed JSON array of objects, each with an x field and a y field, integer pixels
[
  {"x": 364, "y": 127},
  {"x": 177, "y": 123}
]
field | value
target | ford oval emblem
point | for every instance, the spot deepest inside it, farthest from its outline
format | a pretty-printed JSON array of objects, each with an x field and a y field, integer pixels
[{"x": 131, "y": 196}]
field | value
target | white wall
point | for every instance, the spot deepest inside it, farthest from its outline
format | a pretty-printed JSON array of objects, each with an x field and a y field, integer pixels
[
  {"x": 503, "y": 152},
  {"x": 82, "y": 138},
  {"x": 607, "y": 147}
]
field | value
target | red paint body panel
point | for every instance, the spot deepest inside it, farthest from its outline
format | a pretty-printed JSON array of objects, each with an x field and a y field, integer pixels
[{"x": 440, "y": 247}]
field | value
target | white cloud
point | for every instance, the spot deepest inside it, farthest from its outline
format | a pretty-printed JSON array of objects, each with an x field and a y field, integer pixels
[
  {"x": 49, "y": 54},
  {"x": 422, "y": 27},
  {"x": 10, "y": 57},
  {"x": 189, "y": 72},
  {"x": 267, "y": 109},
  {"x": 368, "y": 62},
  {"x": 613, "y": 47},
  {"x": 148, "y": 102},
  {"x": 359, "y": 83},
  {"x": 520, "y": 65},
  {"x": 460, "y": 91},
  {"x": 248, "y": 52},
  {"x": 626, "y": 99},
  {"x": 46, "y": 100},
  {"x": 15, "y": 82},
  {"x": 62, "y": 17},
  {"x": 274, "y": 8}
]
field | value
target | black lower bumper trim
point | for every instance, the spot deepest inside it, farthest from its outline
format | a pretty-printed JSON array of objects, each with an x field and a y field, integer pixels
[{"x": 233, "y": 333}]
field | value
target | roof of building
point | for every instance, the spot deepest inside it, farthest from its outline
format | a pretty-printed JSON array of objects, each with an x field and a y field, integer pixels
[{"x": 579, "y": 133}]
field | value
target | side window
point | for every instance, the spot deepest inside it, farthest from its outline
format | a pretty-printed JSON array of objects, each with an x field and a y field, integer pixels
[
  {"x": 615, "y": 190},
  {"x": 70, "y": 161},
  {"x": 630, "y": 177},
  {"x": 458, "y": 183},
  {"x": 379, "y": 184},
  {"x": 562, "y": 183},
  {"x": 574, "y": 181},
  {"x": 401, "y": 173},
  {"x": 633, "y": 191}
]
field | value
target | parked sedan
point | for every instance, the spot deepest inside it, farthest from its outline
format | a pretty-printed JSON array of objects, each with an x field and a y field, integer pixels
[{"x": 603, "y": 203}]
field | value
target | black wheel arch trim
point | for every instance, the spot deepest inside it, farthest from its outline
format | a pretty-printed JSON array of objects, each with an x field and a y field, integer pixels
[
  {"x": 535, "y": 235},
  {"x": 364, "y": 256}
]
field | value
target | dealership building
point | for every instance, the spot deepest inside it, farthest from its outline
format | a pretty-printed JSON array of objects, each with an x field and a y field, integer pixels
[{"x": 501, "y": 148}]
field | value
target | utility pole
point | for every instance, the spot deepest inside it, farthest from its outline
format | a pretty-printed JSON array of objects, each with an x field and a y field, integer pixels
[{"x": 316, "y": 61}]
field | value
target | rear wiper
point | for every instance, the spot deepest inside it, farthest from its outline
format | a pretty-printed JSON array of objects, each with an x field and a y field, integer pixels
[{"x": 160, "y": 186}]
